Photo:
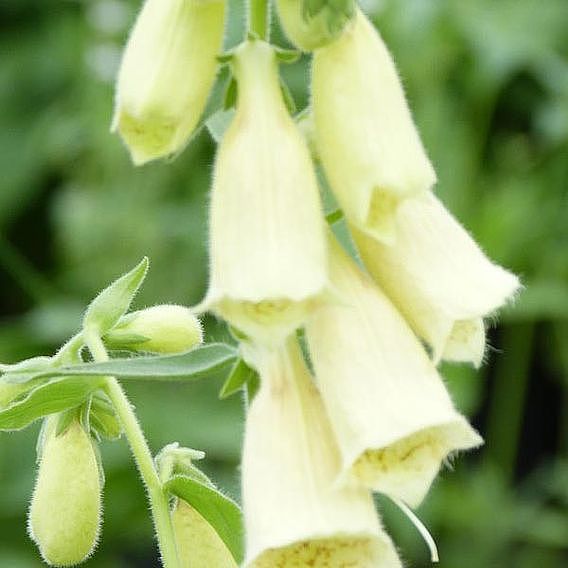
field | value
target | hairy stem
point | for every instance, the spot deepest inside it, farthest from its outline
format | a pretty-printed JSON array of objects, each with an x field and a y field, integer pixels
[
  {"x": 142, "y": 456},
  {"x": 259, "y": 18}
]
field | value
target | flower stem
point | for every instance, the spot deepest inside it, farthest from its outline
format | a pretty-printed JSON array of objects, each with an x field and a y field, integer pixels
[
  {"x": 142, "y": 456},
  {"x": 259, "y": 18}
]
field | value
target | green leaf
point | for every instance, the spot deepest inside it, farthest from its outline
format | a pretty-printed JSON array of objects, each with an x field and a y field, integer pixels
[
  {"x": 218, "y": 123},
  {"x": 57, "y": 395},
  {"x": 113, "y": 302},
  {"x": 231, "y": 93},
  {"x": 25, "y": 371},
  {"x": 239, "y": 376},
  {"x": 191, "y": 365},
  {"x": 222, "y": 513}
]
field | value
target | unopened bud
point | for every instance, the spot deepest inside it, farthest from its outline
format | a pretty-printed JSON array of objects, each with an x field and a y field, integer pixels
[
  {"x": 159, "y": 329},
  {"x": 65, "y": 512},
  {"x": 166, "y": 75}
]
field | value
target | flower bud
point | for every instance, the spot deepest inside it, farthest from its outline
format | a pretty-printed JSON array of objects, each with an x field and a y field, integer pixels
[
  {"x": 167, "y": 72},
  {"x": 310, "y": 24},
  {"x": 439, "y": 279},
  {"x": 167, "y": 329},
  {"x": 65, "y": 512},
  {"x": 267, "y": 242},
  {"x": 294, "y": 516},
  {"x": 388, "y": 407},
  {"x": 368, "y": 144},
  {"x": 198, "y": 544}
]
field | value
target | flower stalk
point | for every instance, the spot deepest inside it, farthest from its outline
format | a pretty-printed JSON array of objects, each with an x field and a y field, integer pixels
[
  {"x": 259, "y": 19},
  {"x": 142, "y": 456}
]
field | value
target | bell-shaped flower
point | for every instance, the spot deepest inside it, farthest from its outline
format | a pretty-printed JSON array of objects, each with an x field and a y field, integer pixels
[
  {"x": 310, "y": 24},
  {"x": 167, "y": 72},
  {"x": 294, "y": 514},
  {"x": 390, "y": 411},
  {"x": 367, "y": 141},
  {"x": 439, "y": 279},
  {"x": 268, "y": 259},
  {"x": 65, "y": 512},
  {"x": 159, "y": 329}
]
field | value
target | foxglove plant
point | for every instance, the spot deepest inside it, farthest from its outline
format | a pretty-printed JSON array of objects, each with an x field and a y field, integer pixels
[{"x": 342, "y": 397}]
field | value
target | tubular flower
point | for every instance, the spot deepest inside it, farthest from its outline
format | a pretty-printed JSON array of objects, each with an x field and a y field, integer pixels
[
  {"x": 368, "y": 144},
  {"x": 310, "y": 24},
  {"x": 267, "y": 240},
  {"x": 64, "y": 516},
  {"x": 198, "y": 544},
  {"x": 390, "y": 411},
  {"x": 439, "y": 279},
  {"x": 162, "y": 329},
  {"x": 290, "y": 463},
  {"x": 167, "y": 71}
]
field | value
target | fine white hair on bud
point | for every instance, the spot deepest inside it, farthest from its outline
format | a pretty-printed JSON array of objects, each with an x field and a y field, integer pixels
[
  {"x": 65, "y": 511},
  {"x": 390, "y": 411},
  {"x": 198, "y": 544},
  {"x": 167, "y": 72},
  {"x": 439, "y": 279},
  {"x": 165, "y": 329},
  {"x": 268, "y": 260},
  {"x": 290, "y": 464},
  {"x": 366, "y": 138}
]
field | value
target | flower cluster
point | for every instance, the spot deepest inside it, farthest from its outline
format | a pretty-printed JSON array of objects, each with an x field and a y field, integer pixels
[{"x": 362, "y": 408}]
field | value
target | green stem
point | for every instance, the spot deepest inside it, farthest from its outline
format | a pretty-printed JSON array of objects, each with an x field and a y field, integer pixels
[
  {"x": 159, "y": 502},
  {"x": 259, "y": 18}
]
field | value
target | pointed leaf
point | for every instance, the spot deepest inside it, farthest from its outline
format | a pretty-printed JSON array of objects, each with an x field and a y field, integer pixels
[
  {"x": 113, "y": 302},
  {"x": 57, "y": 395},
  {"x": 222, "y": 513},
  {"x": 191, "y": 365}
]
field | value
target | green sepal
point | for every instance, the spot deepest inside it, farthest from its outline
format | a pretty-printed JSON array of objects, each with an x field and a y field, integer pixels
[
  {"x": 113, "y": 302},
  {"x": 103, "y": 418},
  {"x": 287, "y": 56},
  {"x": 252, "y": 387},
  {"x": 218, "y": 123},
  {"x": 65, "y": 419},
  {"x": 117, "y": 339},
  {"x": 334, "y": 216},
  {"x": 239, "y": 376},
  {"x": 288, "y": 97},
  {"x": 57, "y": 395},
  {"x": 222, "y": 513},
  {"x": 226, "y": 57},
  {"x": 231, "y": 93}
]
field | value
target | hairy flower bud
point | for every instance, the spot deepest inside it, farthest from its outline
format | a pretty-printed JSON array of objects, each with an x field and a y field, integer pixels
[
  {"x": 294, "y": 515},
  {"x": 166, "y": 329},
  {"x": 167, "y": 71},
  {"x": 389, "y": 409},
  {"x": 198, "y": 544},
  {"x": 310, "y": 24},
  {"x": 368, "y": 144},
  {"x": 439, "y": 279},
  {"x": 267, "y": 242},
  {"x": 65, "y": 511}
]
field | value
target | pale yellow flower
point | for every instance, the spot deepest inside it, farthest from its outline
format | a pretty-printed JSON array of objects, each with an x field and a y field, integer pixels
[
  {"x": 388, "y": 407},
  {"x": 167, "y": 71},
  {"x": 366, "y": 138},
  {"x": 268, "y": 260},
  {"x": 294, "y": 516},
  {"x": 439, "y": 279}
]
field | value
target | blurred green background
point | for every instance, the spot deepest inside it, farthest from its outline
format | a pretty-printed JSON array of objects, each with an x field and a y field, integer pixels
[{"x": 488, "y": 82}]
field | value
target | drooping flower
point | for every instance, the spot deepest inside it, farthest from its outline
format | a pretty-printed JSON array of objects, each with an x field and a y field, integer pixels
[
  {"x": 366, "y": 138},
  {"x": 167, "y": 71},
  {"x": 310, "y": 24},
  {"x": 439, "y": 279},
  {"x": 160, "y": 329},
  {"x": 389, "y": 409},
  {"x": 65, "y": 512},
  {"x": 267, "y": 243},
  {"x": 294, "y": 515}
]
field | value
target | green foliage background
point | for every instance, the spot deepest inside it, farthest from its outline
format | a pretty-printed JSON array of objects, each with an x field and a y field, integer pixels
[{"x": 488, "y": 82}]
